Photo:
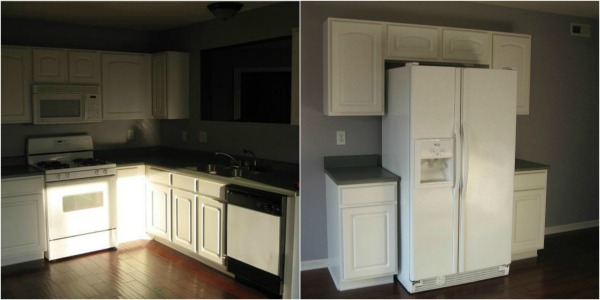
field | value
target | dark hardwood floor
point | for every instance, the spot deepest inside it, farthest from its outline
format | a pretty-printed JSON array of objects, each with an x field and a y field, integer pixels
[
  {"x": 567, "y": 267},
  {"x": 140, "y": 269}
]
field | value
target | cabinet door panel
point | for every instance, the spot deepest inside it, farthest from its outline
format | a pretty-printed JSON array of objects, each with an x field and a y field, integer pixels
[
  {"x": 466, "y": 46},
  {"x": 23, "y": 227},
  {"x": 514, "y": 52},
  {"x": 16, "y": 85},
  {"x": 159, "y": 85},
  {"x": 210, "y": 229},
  {"x": 369, "y": 239},
  {"x": 354, "y": 66},
  {"x": 420, "y": 42},
  {"x": 49, "y": 65},
  {"x": 529, "y": 221},
  {"x": 159, "y": 211},
  {"x": 84, "y": 67},
  {"x": 184, "y": 219},
  {"x": 126, "y": 86}
]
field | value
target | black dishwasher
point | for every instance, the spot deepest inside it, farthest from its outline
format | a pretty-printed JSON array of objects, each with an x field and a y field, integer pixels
[{"x": 256, "y": 237}]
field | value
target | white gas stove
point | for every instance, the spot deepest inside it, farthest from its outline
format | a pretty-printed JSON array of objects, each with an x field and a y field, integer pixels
[{"x": 81, "y": 206}]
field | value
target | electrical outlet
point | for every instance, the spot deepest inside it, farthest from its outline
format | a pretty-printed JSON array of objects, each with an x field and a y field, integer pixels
[
  {"x": 340, "y": 137},
  {"x": 184, "y": 136},
  {"x": 202, "y": 137},
  {"x": 130, "y": 135}
]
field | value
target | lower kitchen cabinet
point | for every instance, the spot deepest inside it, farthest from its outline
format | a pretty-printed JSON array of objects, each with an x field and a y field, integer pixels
[
  {"x": 158, "y": 211},
  {"x": 131, "y": 186},
  {"x": 361, "y": 233},
  {"x": 184, "y": 219},
  {"x": 23, "y": 220},
  {"x": 529, "y": 213},
  {"x": 211, "y": 225}
]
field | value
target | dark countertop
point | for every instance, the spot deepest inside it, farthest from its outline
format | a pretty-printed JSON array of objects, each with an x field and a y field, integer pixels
[
  {"x": 272, "y": 173},
  {"x": 524, "y": 165},
  {"x": 20, "y": 171},
  {"x": 357, "y": 170}
]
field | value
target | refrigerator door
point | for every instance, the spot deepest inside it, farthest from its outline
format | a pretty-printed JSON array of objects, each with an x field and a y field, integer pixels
[
  {"x": 489, "y": 125},
  {"x": 433, "y": 224}
]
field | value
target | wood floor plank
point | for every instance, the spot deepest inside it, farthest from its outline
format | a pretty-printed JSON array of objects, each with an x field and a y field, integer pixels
[
  {"x": 567, "y": 267},
  {"x": 137, "y": 270}
]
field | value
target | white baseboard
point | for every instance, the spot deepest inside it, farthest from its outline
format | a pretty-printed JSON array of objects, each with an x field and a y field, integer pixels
[
  {"x": 313, "y": 264},
  {"x": 571, "y": 227}
]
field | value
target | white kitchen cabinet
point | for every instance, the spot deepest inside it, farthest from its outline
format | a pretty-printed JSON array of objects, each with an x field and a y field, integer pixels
[
  {"x": 466, "y": 46},
  {"x": 420, "y": 43},
  {"x": 16, "y": 84},
  {"x": 66, "y": 66},
  {"x": 361, "y": 233},
  {"x": 131, "y": 187},
  {"x": 50, "y": 65},
  {"x": 184, "y": 219},
  {"x": 170, "y": 85},
  {"x": 84, "y": 67},
  {"x": 529, "y": 213},
  {"x": 126, "y": 86},
  {"x": 158, "y": 203},
  {"x": 211, "y": 224},
  {"x": 23, "y": 220},
  {"x": 511, "y": 51},
  {"x": 353, "y": 68}
]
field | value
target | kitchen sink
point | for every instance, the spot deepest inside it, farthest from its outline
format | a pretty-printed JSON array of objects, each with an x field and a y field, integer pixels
[{"x": 223, "y": 170}]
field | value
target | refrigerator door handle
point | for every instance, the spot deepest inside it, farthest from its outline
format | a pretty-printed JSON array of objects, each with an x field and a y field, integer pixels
[
  {"x": 457, "y": 163},
  {"x": 465, "y": 159}
]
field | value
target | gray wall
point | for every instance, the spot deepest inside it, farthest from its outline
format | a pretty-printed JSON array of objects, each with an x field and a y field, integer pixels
[
  {"x": 561, "y": 130},
  {"x": 107, "y": 134},
  {"x": 268, "y": 141}
]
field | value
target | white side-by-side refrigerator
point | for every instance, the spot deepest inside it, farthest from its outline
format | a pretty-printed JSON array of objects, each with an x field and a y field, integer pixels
[{"x": 449, "y": 133}]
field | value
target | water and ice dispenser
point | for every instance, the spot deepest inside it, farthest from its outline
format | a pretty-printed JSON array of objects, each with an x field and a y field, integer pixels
[{"x": 434, "y": 165}]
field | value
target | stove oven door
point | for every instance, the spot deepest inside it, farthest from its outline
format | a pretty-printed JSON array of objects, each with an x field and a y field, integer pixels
[{"x": 81, "y": 206}]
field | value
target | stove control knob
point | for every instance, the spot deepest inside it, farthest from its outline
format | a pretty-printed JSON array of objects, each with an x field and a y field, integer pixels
[
  {"x": 97, "y": 172},
  {"x": 66, "y": 175},
  {"x": 57, "y": 176},
  {"x": 104, "y": 171}
]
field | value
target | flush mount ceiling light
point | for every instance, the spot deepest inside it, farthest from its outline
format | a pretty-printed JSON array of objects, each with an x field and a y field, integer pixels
[{"x": 224, "y": 10}]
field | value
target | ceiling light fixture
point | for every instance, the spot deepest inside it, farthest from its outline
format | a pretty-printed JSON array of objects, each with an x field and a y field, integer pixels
[{"x": 224, "y": 10}]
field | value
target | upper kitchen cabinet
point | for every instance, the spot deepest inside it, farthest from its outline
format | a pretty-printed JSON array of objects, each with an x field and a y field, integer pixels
[
  {"x": 170, "y": 85},
  {"x": 126, "y": 86},
  {"x": 416, "y": 42},
  {"x": 16, "y": 84},
  {"x": 66, "y": 66},
  {"x": 84, "y": 66},
  {"x": 512, "y": 51},
  {"x": 353, "y": 68},
  {"x": 466, "y": 46}
]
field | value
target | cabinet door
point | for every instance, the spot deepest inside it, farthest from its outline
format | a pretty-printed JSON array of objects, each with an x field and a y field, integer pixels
[
  {"x": 23, "y": 225},
  {"x": 466, "y": 46},
  {"x": 84, "y": 67},
  {"x": 514, "y": 52},
  {"x": 528, "y": 220},
  {"x": 184, "y": 219},
  {"x": 369, "y": 240},
  {"x": 49, "y": 65},
  {"x": 210, "y": 229},
  {"x": 159, "y": 85},
  {"x": 158, "y": 211},
  {"x": 16, "y": 85},
  {"x": 126, "y": 86},
  {"x": 353, "y": 68},
  {"x": 413, "y": 42},
  {"x": 131, "y": 186}
]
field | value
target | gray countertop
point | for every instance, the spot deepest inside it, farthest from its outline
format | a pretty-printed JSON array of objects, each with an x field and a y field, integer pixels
[
  {"x": 524, "y": 165},
  {"x": 357, "y": 170}
]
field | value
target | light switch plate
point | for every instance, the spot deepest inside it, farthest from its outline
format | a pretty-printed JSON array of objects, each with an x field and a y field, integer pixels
[
  {"x": 340, "y": 138},
  {"x": 130, "y": 135},
  {"x": 202, "y": 137}
]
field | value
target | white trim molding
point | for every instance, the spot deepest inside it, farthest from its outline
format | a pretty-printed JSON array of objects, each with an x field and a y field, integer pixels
[
  {"x": 571, "y": 227},
  {"x": 313, "y": 264}
]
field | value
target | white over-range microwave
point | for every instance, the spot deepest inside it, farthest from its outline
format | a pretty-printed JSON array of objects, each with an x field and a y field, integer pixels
[{"x": 66, "y": 104}]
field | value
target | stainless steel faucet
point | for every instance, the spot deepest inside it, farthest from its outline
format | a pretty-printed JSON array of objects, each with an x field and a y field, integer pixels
[
  {"x": 253, "y": 165},
  {"x": 236, "y": 163}
]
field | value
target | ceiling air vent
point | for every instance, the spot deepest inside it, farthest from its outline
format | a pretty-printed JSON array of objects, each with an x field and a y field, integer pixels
[{"x": 582, "y": 30}]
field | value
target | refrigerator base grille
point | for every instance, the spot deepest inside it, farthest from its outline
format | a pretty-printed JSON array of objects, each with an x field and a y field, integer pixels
[{"x": 459, "y": 278}]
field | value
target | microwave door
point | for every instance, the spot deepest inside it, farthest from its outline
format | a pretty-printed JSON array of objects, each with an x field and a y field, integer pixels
[{"x": 59, "y": 108}]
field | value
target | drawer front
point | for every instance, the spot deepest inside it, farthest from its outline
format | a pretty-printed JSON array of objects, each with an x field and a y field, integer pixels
[
  {"x": 211, "y": 189},
  {"x": 368, "y": 194},
  {"x": 22, "y": 186},
  {"x": 159, "y": 176},
  {"x": 530, "y": 180},
  {"x": 185, "y": 183}
]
